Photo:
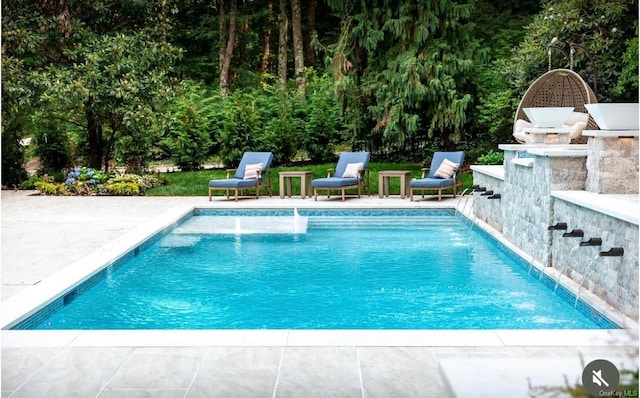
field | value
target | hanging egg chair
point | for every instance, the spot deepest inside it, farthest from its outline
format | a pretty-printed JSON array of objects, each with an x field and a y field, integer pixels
[{"x": 558, "y": 88}]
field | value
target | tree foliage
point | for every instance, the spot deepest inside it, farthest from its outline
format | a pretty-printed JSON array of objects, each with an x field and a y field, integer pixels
[
  {"x": 403, "y": 70},
  {"x": 126, "y": 82}
]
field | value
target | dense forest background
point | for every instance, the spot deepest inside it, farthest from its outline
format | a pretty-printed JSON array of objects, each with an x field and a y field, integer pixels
[{"x": 129, "y": 82}]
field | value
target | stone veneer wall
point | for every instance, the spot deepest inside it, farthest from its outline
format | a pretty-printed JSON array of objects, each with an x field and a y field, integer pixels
[
  {"x": 611, "y": 161},
  {"x": 488, "y": 210},
  {"x": 527, "y": 202},
  {"x": 614, "y": 279}
]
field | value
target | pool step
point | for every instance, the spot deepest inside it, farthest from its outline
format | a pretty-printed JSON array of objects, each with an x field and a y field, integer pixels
[{"x": 209, "y": 225}]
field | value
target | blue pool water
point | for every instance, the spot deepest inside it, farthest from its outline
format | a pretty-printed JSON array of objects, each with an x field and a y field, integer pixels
[{"x": 339, "y": 270}]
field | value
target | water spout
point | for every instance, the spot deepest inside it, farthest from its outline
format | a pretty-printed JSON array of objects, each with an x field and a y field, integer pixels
[
  {"x": 563, "y": 266},
  {"x": 495, "y": 196},
  {"x": 588, "y": 271},
  {"x": 296, "y": 221},
  {"x": 561, "y": 226},
  {"x": 613, "y": 252},
  {"x": 480, "y": 189},
  {"x": 592, "y": 242},
  {"x": 487, "y": 193},
  {"x": 576, "y": 233}
]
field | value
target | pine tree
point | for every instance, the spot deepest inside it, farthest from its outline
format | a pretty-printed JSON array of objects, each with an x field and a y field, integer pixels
[{"x": 404, "y": 66}]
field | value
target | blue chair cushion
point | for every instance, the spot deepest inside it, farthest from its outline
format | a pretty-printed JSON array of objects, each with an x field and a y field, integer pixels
[
  {"x": 431, "y": 182},
  {"x": 334, "y": 182},
  {"x": 238, "y": 180},
  {"x": 351, "y": 157},
  {"x": 254, "y": 158},
  {"x": 438, "y": 157},
  {"x": 232, "y": 183}
]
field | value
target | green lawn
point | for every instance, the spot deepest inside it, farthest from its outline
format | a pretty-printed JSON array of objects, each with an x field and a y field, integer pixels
[{"x": 195, "y": 183}]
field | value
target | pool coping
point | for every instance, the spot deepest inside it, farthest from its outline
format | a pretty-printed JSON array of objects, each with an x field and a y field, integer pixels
[{"x": 21, "y": 306}]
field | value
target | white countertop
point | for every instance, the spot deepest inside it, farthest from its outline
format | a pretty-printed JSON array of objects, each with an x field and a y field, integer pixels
[{"x": 622, "y": 207}]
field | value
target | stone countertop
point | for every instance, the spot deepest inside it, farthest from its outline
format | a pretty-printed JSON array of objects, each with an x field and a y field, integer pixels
[
  {"x": 611, "y": 133},
  {"x": 495, "y": 171},
  {"x": 623, "y": 207}
]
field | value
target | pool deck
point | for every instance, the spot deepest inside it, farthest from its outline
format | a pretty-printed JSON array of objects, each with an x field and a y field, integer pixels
[{"x": 46, "y": 239}]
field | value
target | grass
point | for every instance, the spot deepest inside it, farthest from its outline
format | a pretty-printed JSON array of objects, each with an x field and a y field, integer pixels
[{"x": 195, "y": 183}]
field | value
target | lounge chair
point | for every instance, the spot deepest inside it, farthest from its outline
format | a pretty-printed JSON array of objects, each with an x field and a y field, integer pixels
[
  {"x": 443, "y": 174},
  {"x": 350, "y": 172},
  {"x": 252, "y": 173}
]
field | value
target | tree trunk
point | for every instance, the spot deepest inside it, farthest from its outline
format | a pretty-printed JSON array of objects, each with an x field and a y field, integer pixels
[
  {"x": 298, "y": 52},
  {"x": 309, "y": 50},
  {"x": 266, "y": 48},
  {"x": 222, "y": 27},
  {"x": 228, "y": 52},
  {"x": 94, "y": 129},
  {"x": 283, "y": 25}
]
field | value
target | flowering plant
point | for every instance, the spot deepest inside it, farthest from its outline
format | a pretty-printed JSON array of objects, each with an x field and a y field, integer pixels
[
  {"x": 85, "y": 180},
  {"x": 88, "y": 181}
]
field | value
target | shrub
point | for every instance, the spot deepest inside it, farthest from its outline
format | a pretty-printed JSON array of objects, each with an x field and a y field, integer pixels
[
  {"x": 491, "y": 157},
  {"x": 120, "y": 182},
  {"x": 123, "y": 188},
  {"x": 51, "y": 188},
  {"x": 86, "y": 181},
  {"x": 187, "y": 138}
]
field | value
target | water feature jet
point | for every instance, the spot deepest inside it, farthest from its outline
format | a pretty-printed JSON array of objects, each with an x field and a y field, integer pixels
[
  {"x": 592, "y": 242},
  {"x": 613, "y": 252},
  {"x": 561, "y": 226},
  {"x": 576, "y": 233}
]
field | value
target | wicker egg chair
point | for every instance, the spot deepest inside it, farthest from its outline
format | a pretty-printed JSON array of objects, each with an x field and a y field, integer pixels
[{"x": 558, "y": 88}]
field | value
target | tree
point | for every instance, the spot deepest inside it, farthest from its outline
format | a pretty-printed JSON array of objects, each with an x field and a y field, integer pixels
[
  {"x": 108, "y": 80},
  {"x": 298, "y": 52},
  {"x": 283, "y": 46},
  {"x": 403, "y": 69},
  {"x": 605, "y": 29},
  {"x": 227, "y": 44}
]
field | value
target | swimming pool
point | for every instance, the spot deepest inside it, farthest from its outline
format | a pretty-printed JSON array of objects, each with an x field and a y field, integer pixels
[{"x": 343, "y": 269}]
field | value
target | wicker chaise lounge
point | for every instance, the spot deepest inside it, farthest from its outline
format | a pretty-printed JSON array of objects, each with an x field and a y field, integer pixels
[{"x": 252, "y": 173}]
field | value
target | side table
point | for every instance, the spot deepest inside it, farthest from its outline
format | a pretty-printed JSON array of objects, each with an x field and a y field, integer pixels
[
  {"x": 305, "y": 182},
  {"x": 383, "y": 182}
]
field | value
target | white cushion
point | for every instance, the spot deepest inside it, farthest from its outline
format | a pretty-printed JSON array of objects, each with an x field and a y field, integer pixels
[
  {"x": 576, "y": 129},
  {"x": 352, "y": 170},
  {"x": 251, "y": 171},
  {"x": 446, "y": 169},
  {"x": 520, "y": 125},
  {"x": 577, "y": 117}
]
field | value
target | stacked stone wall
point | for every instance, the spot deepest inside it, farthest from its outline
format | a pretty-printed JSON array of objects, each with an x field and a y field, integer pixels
[
  {"x": 612, "y": 165},
  {"x": 526, "y": 204},
  {"x": 614, "y": 279},
  {"x": 488, "y": 210}
]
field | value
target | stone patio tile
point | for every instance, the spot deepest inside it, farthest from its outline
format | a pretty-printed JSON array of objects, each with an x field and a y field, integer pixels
[
  {"x": 237, "y": 372},
  {"x": 318, "y": 372},
  {"x": 18, "y": 364},
  {"x": 158, "y": 369},
  {"x": 74, "y": 372},
  {"x": 400, "y": 372}
]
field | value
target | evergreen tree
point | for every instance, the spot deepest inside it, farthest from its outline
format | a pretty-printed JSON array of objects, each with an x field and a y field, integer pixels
[{"x": 403, "y": 69}]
